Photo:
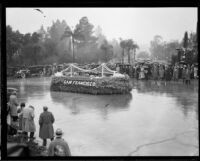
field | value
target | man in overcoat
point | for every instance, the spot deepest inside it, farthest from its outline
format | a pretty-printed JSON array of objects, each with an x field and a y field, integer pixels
[
  {"x": 12, "y": 105},
  {"x": 46, "y": 121}
]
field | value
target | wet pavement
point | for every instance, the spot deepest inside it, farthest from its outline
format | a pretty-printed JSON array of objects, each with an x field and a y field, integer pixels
[{"x": 153, "y": 120}]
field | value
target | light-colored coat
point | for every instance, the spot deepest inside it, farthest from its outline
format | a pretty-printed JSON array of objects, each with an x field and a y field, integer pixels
[
  {"x": 187, "y": 74},
  {"x": 28, "y": 124},
  {"x": 13, "y": 105},
  {"x": 161, "y": 73},
  {"x": 46, "y": 121},
  {"x": 155, "y": 73}
]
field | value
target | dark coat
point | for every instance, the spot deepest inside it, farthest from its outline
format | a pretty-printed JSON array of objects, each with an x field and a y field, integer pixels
[
  {"x": 155, "y": 73},
  {"x": 46, "y": 121},
  {"x": 59, "y": 147},
  {"x": 167, "y": 74},
  {"x": 187, "y": 74}
]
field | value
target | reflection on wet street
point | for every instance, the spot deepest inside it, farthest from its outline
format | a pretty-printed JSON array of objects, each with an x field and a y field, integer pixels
[{"x": 155, "y": 119}]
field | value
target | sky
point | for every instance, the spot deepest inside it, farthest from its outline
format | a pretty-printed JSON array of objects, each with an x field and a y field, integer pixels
[{"x": 140, "y": 24}]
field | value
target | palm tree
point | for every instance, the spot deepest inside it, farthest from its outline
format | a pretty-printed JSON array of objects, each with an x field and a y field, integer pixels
[
  {"x": 75, "y": 35},
  {"x": 123, "y": 46},
  {"x": 106, "y": 48},
  {"x": 135, "y": 46},
  {"x": 131, "y": 45}
]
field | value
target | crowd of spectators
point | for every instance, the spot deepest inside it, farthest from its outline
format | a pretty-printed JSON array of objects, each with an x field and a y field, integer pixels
[
  {"x": 161, "y": 72},
  {"x": 21, "y": 120}
]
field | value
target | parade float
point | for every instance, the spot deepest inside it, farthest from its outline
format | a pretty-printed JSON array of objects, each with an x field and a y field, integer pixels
[{"x": 100, "y": 80}]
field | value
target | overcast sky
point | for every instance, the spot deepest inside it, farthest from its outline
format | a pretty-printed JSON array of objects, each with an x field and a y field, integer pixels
[{"x": 140, "y": 24}]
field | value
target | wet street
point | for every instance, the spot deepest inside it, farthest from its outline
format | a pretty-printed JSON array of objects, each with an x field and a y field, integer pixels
[{"x": 153, "y": 120}]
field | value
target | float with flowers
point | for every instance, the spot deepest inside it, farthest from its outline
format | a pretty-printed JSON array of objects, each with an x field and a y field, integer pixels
[{"x": 100, "y": 80}]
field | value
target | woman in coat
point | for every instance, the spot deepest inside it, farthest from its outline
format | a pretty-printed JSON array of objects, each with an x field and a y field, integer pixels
[
  {"x": 141, "y": 74},
  {"x": 46, "y": 121},
  {"x": 187, "y": 75},
  {"x": 175, "y": 73},
  {"x": 183, "y": 74},
  {"x": 161, "y": 73},
  {"x": 28, "y": 124},
  {"x": 155, "y": 73}
]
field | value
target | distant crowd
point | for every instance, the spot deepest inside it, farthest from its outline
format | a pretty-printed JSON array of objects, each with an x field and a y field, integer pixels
[
  {"x": 21, "y": 120},
  {"x": 140, "y": 71},
  {"x": 161, "y": 72}
]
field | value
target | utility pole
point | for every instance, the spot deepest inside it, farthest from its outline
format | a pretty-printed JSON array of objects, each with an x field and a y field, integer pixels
[{"x": 73, "y": 49}]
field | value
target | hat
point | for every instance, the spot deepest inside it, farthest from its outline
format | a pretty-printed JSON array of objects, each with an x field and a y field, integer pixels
[
  {"x": 14, "y": 93},
  {"x": 45, "y": 107},
  {"x": 22, "y": 104},
  {"x": 59, "y": 132}
]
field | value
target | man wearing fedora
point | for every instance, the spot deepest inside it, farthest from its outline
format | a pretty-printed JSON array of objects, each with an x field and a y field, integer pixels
[
  {"x": 46, "y": 121},
  {"x": 59, "y": 146}
]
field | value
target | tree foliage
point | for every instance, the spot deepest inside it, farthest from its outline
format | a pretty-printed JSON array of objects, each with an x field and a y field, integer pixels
[
  {"x": 108, "y": 50},
  {"x": 185, "y": 40},
  {"x": 162, "y": 50},
  {"x": 175, "y": 51},
  {"x": 143, "y": 55},
  {"x": 128, "y": 46},
  {"x": 60, "y": 43}
]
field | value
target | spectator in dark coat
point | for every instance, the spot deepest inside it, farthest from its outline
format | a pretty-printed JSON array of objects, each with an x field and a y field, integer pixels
[
  {"x": 167, "y": 73},
  {"x": 180, "y": 72},
  {"x": 20, "y": 113},
  {"x": 155, "y": 72},
  {"x": 46, "y": 121},
  {"x": 183, "y": 73}
]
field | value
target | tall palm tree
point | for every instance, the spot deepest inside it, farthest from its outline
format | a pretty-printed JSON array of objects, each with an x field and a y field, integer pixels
[
  {"x": 123, "y": 46},
  {"x": 134, "y": 47},
  {"x": 75, "y": 35},
  {"x": 131, "y": 45},
  {"x": 107, "y": 48}
]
